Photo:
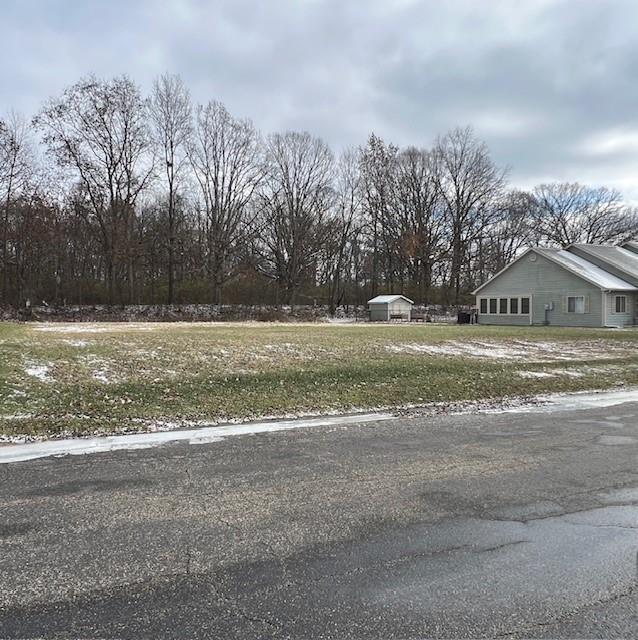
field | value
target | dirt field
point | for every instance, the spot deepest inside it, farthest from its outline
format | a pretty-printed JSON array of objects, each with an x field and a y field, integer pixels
[{"x": 105, "y": 377}]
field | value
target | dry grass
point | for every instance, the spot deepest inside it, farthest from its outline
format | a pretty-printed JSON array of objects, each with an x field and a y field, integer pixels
[{"x": 83, "y": 378}]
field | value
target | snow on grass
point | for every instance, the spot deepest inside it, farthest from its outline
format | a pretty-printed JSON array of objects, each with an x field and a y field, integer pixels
[
  {"x": 39, "y": 371},
  {"x": 90, "y": 327},
  {"x": 577, "y": 371},
  {"x": 101, "y": 375},
  {"x": 23, "y": 451},
  {"x": 117, "y": 373},
  {"x": 77, "y": 343},
  {"x": 535, "y": 374},
  {"x": 520, "y": 350}
]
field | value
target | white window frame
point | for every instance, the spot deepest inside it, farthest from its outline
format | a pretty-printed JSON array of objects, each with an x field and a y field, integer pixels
[
  {"x": 509, "y": 305},
  {"x": 575, "y": 298},
  {"x": 615, "y": 306}
]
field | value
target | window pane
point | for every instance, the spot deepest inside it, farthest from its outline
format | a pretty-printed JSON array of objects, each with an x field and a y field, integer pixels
[
  {"x": 513, "y": 305},
  {"x": 493, "y": 304},
  {"x": 502, "y": 305},
  {"x": 483, "y": 305},
  {"x": 621, "y": 304},
  {"x": 576, "y": 304},
  {"x": 525, "y": 305}
]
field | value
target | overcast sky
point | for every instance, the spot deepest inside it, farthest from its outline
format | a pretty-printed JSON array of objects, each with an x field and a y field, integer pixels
[{"x": 552, "y": 86}]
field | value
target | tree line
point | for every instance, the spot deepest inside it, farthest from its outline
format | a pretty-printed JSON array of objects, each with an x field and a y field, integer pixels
[{"x": 111, "y": 197}]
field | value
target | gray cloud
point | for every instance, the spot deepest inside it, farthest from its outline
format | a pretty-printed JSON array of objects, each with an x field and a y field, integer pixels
[{"x": 550, "y": 85}]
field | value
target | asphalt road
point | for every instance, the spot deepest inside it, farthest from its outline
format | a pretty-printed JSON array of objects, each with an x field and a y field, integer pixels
[{"x": 509, "y": 525}]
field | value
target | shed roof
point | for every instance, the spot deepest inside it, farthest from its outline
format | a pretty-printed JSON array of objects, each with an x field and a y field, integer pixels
[{"x": 387, "y": 299}]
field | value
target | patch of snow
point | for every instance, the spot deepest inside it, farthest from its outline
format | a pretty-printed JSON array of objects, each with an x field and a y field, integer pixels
[
  {"x": 95, "y": 327},
  {"x": 520, "y": 350},
  {"x": 535, "y": 374},
  {"x": 580, "y": 400},
  {"x": 99, "y": 370},
  {"x": 203, "y": 435},
  {"x": 101, "y": 375},
  {"x": 39, "y": 371},
  {"x": 554, "y": 373},
  {"x": 16, "y": 416},
  {"x": 570, "y": 373},
  {"x": 77, "y": 343}
]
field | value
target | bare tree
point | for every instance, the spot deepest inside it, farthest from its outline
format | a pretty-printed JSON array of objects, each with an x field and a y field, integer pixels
[
  {"x": 378, "y": 161},
  {"x": 500, "y": 242},
  {"x": 471, "y": 186},
  {"x": 170, "y": 110},
  {"x": 345, "y": 223},
  {"x": 419, "y": 216},
  {"x": 225, "y": 156},
  {"x": 16, "y": 169},
  {"x": 566, "y": 213},
  {"x": 294, "y": 202},
  {"x": 97, "y": 129}
]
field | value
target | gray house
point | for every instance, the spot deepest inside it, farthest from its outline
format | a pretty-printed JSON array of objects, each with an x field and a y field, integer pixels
[
  {"x": 582, "y": 285},
  {"x": 390, "y": 307}
]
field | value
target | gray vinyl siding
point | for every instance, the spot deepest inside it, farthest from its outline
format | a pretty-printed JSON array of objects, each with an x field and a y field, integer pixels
[
  {"x": 522, "y": 320},
  {"x": 620, "y": 319},
  {"x": 545, "y": 282},
  {"x": 378, "y": 312}
]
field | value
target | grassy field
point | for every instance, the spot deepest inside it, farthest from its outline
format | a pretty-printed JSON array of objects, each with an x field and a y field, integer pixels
[{"x": 86, "y": 378}]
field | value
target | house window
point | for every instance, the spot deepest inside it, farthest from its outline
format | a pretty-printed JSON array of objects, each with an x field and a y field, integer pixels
[
  {"x": 493, "y": 303},
  {"x": 483, "y": 305},
  {"x": 525, "y": 306},
  {"x": 502, "y": 305},
  {"x": 621, "y": 304},
  {"x": 576, "y": 304},
  {"x": 513, "y": 305}
]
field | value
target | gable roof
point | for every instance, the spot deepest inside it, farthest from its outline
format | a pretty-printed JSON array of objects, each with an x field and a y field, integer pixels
[
  {"x": 577, "y": 266},
  {"x": 387, "y": 299},
  {"x": 586, "y": 270},
  {"x": 631, "y": 245},
  {"x": 619, "y": 258}
]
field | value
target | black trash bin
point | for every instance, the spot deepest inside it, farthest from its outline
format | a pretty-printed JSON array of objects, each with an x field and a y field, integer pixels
[{"x": 463, "y": 317}]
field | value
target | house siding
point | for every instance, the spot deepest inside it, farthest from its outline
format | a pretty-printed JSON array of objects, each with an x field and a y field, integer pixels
[
  {"x": 546, "y": 283},
  {"x": 620, "y": 319}
]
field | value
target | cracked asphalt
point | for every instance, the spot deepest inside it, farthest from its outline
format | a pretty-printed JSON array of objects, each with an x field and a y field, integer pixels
[{"x": 496, "y": 525}]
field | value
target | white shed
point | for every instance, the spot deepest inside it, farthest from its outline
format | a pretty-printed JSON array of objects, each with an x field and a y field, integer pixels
[{"x": 390, "y": 307}]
